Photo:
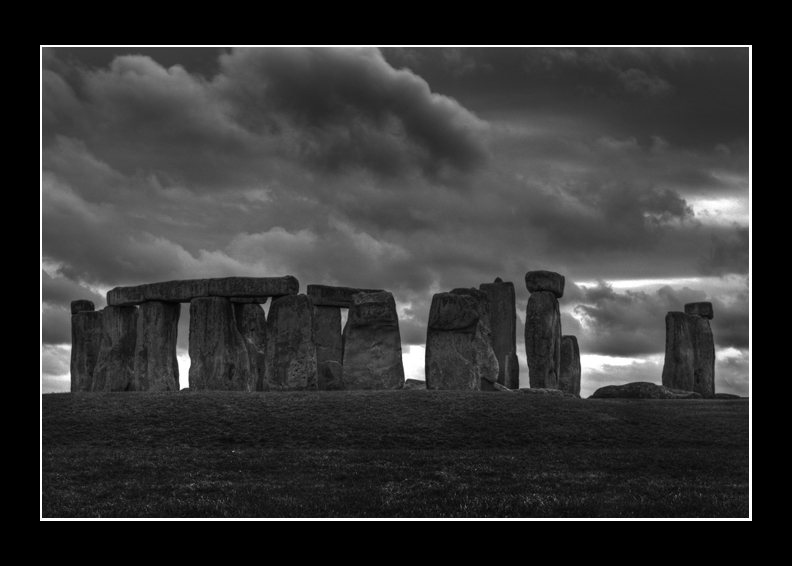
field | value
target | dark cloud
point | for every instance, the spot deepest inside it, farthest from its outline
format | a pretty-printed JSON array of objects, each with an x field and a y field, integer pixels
[
  {"x": 727, "y": 253},
  {"x": 55, "y": 325},
  {"x": 60, "y": 292}
]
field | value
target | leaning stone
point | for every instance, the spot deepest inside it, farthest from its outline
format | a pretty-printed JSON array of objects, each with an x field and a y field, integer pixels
[
  {"x": 569, "y": 376},
  {"x": 328, "y": 296},
  {"x": 450, "y": 343},
  {"x": 82, "y": 305},
  {"x": 86, "y": 335},
  {"x": 329, "y": 347},
  {"x": 726, "y": 396},
  {"x": 503, "y": 322},
  {"x": 115, "y": 368},
  {"x": 700, "y": 309},
  {"x": 414, "y": 384},
  {"x": 156, "y": 366},
  {"x": 537, "y": 281},
  {"x": 703, "y": 356},
  {"x": 252, "y": 325},
  {"x": 499, "y": 387},
  {"x": 543, "y": 340},
  {"x": 679, "y": 354},
  {"x": 485, "y": 358},
  {"x": 542, "y": 391},
  {"x": 291, "y": 350},
  {"x": 372, "y": 345},
  {"x": 642, "y": 390}
]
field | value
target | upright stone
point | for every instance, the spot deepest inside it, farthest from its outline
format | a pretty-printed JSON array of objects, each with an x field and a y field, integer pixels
[
  {"x": 372, "y": 345},
  {"x": 291, "y": 352},
  {"x": 503, "y": 320},
  {"x": 115, "y": 368},
  {"x": 569, "y": 376},
  {"x": 484, "y": 355},
  {"x": 156, "y": 367},
  {"x": 703, "y": 356},
  {"x": 450, "y": 343},
  {"x": 679, "y": 353},
  {"x": 81, "y": 305},
  {"x": 543, "y": 339},
  {"x": 86, "y": 334},
  {"x": 218, "y": 353},
  {"x": 329, "y": 347},
  {"x": 252, "y": 325},
  {"x": 545, "y": 281}
]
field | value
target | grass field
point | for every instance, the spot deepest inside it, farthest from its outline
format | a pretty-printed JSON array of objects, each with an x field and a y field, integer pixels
[{"x": 390, "y": 454}]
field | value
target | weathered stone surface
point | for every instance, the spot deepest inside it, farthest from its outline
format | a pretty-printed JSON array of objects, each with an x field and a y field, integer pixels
[
  {"x": 703, "y": 356},
  {"x": 642, "y": 390},
  {"x": 499, "y": 387},
  {"x": 453, "y": 312},
  {"x": 543, "y": 340},
  {"x": 86, "y": 335},
  {"x": 679, "y": 354},
  {"x": 252, "y": 325},
  {"x": 485, "y": 357},
  {"x": 81, "y": 305},
  {"x": 156, "y": 367},
  {"x": 125, "y": 296},
  {"x": 115, "y": 367},
  {"x": 372, "y": 345},
  {"x": 329, "y": 347},
  {"x": 700, "y": 309},
  {"x": 414, "y": 384},
  {"x": 503, "y": 323},
  {"x": 183, "y": 291},
  {"x": 726, "y": 396},
  {"x": 179, "y": 291},
  {"x": 542, "y": 391},
  {"x": 254, "y": 286},
  {"x": 328, "y": 296},
  {"x": 569, "y": 376},
  {"x": 549, "y": 281},
  {"x": 250, "y": 300},
  {"x": 291, "y": 350}
]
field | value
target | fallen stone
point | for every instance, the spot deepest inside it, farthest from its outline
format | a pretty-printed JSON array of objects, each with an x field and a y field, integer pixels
[
  {"x": 498, "y": 387},
  {"x": 86, "y": 336},
  {"x": 450, "y": 361},
  {"x": 156, "y": 366},
  {"x": 329, "y": 347},
  {"x": 291, "y": 350},
  {"x": 679, "y": 355},
  {"x": 485, "y": 357},
  {"x": 543, "y": 340},
  {"x": 700, "y": 309},
  {"x": 542, "y": 391},
  {"x": 328, "y": 296},
  {"x": 82, "y": 305},
  {"x": 550, "y": 281},
  {"x": 115, "y": 367},
  {"x": 642, "y": 390},
  {"x": 183, "y": 291},
  {"x": 252, "y": 325},
  {"x": 372, "y": 345},
  {"x": 703, "y": 356},
  {"x": 726, "y": 396},
  {"x": 569, "y": 376},
  {"x": 414, "y": 384},
  {"x": 503, "y": 323}
]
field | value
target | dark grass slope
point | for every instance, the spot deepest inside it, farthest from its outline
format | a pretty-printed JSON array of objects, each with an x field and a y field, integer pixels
[{"x": 390, "y": 454}]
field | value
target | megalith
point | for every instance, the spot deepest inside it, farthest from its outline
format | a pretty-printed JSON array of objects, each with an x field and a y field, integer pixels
[
  {"x": 156, "y": 367},
  {"x": 218, "y": 353},
  {"x": 503, "y": 322},
  {"x": 679, "y": 356},
  {"x": 703, "y": 348},
  {"x": 543, "y": 328},
  {"x": 86, "y": 335},
  {"x": 569, "y": 376},
  {"x": 372, "y": 343},
  {"x": 329, "y": 347},
  {"x": 291, "y": 352},
  {"x": 545, "y": 281},
  {"x": 703, "y": 309},
  {"x": 115, "y": 367},
  {"x": 484, "y": 355},
  {"x": 252, "y": 325},
  {"x": 81, "y": 305},
  {"x": 450, "y": 361}
]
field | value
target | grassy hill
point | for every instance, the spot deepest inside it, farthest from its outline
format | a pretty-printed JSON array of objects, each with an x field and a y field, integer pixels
[{"x": 390, "y": 454}]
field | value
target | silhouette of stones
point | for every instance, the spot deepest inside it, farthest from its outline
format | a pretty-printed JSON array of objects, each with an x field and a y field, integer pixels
[
  {"x": 485, "y": 358},
  {"x": 372, "y": 343},
  {"x": 548, "y": 281},
  {"x": 252, "y": 325},
  {"x": 327, "y": 296},
  {"x": 156, "y": 367},
  {"x": 218, "y": 353},
  {"x": 703, "y": 309},
  {"x": 703, "y": 356},
  {"x": 503, "y": 322},
  {"x": 81, "y": 305},
  {"x": 183, "y": 291},
  {"x": 451, "y": 343},
  {"x": 291, "y": 353},
  {"x": 569, "y": 376},
  {"x": 642, "y": 390},
  {"x": 329, "y": 347},
  {"x": 414, "y": 384},
  {"x": 86, "y": 335},
  {"x": 115, "y": 366},
  {"x": 543, "y": 339}
]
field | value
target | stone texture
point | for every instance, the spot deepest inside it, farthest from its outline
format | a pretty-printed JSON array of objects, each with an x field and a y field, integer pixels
[
  {"x": 414, "y": 384},
  {"x": 543, "y": 339},
  {"x": 700, "y": 309},
  {"x": 329, "y": 347},
  {"x": 250, "y": 300},
  {"x": 569, "y": 376},
  {"x": 328, "y": 296},
  {"x": 254, "y": 286},
  {"x": 252, "y": 325},
  {"x": 219, "y": 358},
  {"x": 542, "y": 391},
  {"x": 642, "y": 390},
  {"x": 499, "y": 387},
  {"x": 291, "y": 350},
  {"x": 545, "y": 281},
  {"x": 485, "y": 358},
  {"x": 372, "y": 344},
  {"x": 679, "y": 355},
  {"x": 81, "y": 305},
  {"x": 703, "y": 356},
  {"x": 183, "y": 291},
  {"x": 179, "y": 291},
  {"x": 156, "y": 367},
  {"x": 86, "y": 335},
  {"x": 726, "y": 396},
  {"x": 115, "y": 367},
  {"x": 450, "y": 361},
  {"x": 503, "y": 323}
]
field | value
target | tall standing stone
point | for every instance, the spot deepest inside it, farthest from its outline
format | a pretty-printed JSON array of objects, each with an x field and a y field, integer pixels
[
  {"x": 485, "y": 359},
  {"x": 86, "y": 334},
  {"x": 252, "y": 324},
  {"x": 679, "y": 355},
  {"x": 503, "y": 321},
  {"x": 569, "y": 376},
  {"x": 329, "y": 347},
  {"x": 699, "y": 315},
  {"x": 543, "y": 328},
  {"x": 372, "y": 345},
  {"x": 291, "y": 351},
  {"x": 115, "y": 368},
  {"x": 451, "y": 343},
  {"x": 218, "y": 354},
  {"x": 156, "y": 366}
]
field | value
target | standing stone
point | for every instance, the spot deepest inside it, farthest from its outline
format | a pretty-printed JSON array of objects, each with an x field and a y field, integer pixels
[
  {"x": 703, "y": 356},
  {"x": 329, "y": 347},
  {"x": 545, "y": 281},
  {"x": 503, "y": 321},
  {"x": 115, "y": 368},
  {"x": 543, "y": 339},
  {"x": 252, "y": 325},
  {"x": 679, "y": 355},
  {"x": 450, "y": 343},
  {"x": 81, "y": 305},
  {"x": 569, "y": 376},
  {"x": 372, "y": 345},
  {"x": 291, "y": 351},
  {"x": 86, "y": 331},
  {"x": 156, "y": 367},
  {"x": 485, "y": 359}
]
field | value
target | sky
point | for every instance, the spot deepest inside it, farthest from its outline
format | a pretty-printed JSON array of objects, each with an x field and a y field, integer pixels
[{"x": 415, "y": 170}]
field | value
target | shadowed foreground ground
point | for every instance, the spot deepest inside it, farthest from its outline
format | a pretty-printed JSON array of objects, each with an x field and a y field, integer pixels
[{"x": 390, "y": 454}]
